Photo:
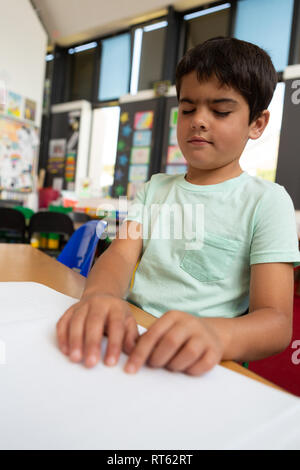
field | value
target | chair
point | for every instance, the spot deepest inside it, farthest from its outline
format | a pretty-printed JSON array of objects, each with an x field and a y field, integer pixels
[
  {"x": 51, "y": 223},
  {"x": 79, "y": 252},
  {"x": 283, "y": 369},
  {"x": 28, "y": 213},
  {"x": 13, "y": 223},
  {"x": 80, "y": 217}
]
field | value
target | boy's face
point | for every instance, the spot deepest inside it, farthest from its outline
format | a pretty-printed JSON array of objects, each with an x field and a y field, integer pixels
[{"x": 218, "y": 114}]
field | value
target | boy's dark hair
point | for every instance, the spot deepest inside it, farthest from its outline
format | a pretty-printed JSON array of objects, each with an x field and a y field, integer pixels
[{"x": 239, "y": 64}]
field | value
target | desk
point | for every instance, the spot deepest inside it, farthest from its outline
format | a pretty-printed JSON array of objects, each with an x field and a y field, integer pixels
[{"x": 23, "y": 263}]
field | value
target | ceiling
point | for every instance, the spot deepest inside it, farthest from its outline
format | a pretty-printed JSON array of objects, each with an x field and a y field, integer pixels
[{"x": 73, "y": 21}]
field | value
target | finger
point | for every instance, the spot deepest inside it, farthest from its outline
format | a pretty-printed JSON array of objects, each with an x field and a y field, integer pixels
[
  {"x": 62, "y": 330},
  {"x": 76, "y": 334},
  {"x": 209, "y": 359},
  {"x": 93, "y": 334},
  {"x": 115, "y": 335},
  {"x": 131, "y": 334},
  {"x": 168, "y": 346},
  {"x": 146, "y": 344},
  {"x": 186, "y": 357}
]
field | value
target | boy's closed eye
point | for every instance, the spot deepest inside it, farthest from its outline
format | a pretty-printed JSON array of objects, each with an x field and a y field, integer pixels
[{"x": 218, "y": 113}]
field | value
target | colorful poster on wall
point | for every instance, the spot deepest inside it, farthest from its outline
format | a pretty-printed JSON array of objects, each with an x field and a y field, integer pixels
[
  {"x": 138, "y": 173},
  {"x": 18, "y": 152},
  {"x": 56, "y": 160},
  {"x": 70, "y": 166},
  {"x": 30, "y": 110},
  {"x": 14, "y": 104},
  {"x": 173, "y": 117},
  {"x": 173, "y": 136},
  {"x": 143, "y": 120},
  {"x": 142, "y": 138},
  {"x": 140, "y": 155},
  {"x": 175, "y": 155}
]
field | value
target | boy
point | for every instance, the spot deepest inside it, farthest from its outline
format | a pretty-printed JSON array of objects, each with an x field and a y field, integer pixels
[{"x": 243, "y": 252}]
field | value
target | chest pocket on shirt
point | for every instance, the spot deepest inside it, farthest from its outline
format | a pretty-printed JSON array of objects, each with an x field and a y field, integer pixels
[{"x": 213, "y": 261}]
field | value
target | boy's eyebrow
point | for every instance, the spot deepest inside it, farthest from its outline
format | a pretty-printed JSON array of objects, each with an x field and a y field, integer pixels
[{"x": 216, "y": 101}]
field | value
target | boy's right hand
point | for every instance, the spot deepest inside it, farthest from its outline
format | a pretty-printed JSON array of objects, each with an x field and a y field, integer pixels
[{"x": 81, "y": 328}]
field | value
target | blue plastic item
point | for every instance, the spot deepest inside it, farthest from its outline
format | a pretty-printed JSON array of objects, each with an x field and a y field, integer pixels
[{"x": 79, "y": 252}]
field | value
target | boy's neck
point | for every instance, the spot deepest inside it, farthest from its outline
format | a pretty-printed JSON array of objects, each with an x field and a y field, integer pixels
[{"x": 215, "y": 176}]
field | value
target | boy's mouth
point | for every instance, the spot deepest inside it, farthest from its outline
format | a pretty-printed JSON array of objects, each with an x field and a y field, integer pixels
[{"x": 198, "y": 140}]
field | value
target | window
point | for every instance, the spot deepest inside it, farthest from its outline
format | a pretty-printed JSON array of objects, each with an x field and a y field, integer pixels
[
  {"x": 115, "y": 67},
  {"x": 82, "y": 72},
  {"x": 296, "y": 58},
  {"x": 206, "y": 24},
  {"x": 148, "y": 56},
  {"x": 103, "y": 153},
  {"x": 268, "y": 24},
  {"x": 259, "y": 157}
]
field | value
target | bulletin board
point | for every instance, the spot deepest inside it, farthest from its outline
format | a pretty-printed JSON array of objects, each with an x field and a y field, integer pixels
[
  {"x": 136, "y": 146},
  {"x": 63, "y": 149},
  {"x": 19, "y": 143}
]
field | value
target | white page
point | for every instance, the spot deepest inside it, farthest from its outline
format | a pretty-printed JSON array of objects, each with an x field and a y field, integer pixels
[{"x": 47, "y": 402}]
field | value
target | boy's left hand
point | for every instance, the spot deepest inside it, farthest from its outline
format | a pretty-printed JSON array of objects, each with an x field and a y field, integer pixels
[{"x": 179, "y": 342}]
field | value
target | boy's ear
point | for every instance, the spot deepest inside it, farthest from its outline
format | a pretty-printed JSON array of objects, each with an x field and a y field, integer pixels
[{"x": 259, "y": 124}]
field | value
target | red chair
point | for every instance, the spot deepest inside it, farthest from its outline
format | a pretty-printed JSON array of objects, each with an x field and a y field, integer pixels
[{"x": 284, "y": 369}]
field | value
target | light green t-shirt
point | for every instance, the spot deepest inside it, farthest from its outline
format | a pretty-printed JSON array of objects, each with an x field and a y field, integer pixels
[{"x": 199, "y": 242}]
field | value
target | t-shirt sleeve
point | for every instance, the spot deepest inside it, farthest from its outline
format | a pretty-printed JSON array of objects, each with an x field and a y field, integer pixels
[
  {"x": 275, "y": 236},
  {"x": 137, "y": 206}
]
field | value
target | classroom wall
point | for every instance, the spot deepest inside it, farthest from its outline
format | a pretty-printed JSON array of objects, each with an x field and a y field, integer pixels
[{"x": 23, "y": 43}]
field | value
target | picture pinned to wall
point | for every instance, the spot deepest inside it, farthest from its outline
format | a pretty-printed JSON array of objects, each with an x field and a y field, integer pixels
[
  {"x": 173, "y": 117},
  {"x": 18, "y": 153},
  {"x": 14, "y": 104},
  {"x": 173, "y": 136},
  {"x": 120, "y": 190},
  {"x": 123, "y": 160},
  {"x": 175, "y": 156},
  {"x": 133, "y": 188},
  {"x": 30, "y": 110},
  {"x": 140, "y": 155},
  {"x": 143, "y": 120},
  {"x": 121, "y": 145},
  {"x": 124, "y": 118},
  {"x": 138, "y": 173},
  {"x": 176, "y": 169},
  {"x": 57, "y": 152},
  {"x": 126, "y": 131},
  {"x": 119, "y": 174},
  {"x": 142, "y": 138}
]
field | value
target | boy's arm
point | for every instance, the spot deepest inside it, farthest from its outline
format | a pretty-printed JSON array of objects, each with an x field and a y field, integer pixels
[
  {"x": 111, "y": 274},
  {"x": 267, "y": 328},
  {"x": 181, "y": 342}
]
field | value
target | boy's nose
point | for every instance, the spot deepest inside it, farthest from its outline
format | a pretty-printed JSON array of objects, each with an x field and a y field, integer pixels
[{"x": 199, "y": 122}]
